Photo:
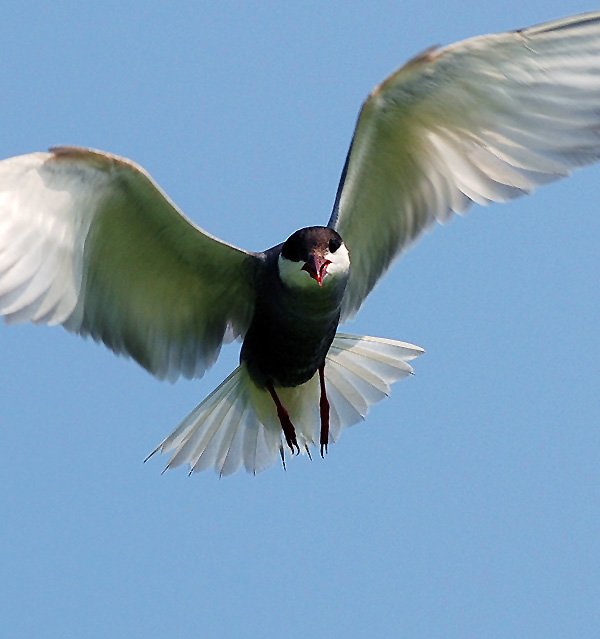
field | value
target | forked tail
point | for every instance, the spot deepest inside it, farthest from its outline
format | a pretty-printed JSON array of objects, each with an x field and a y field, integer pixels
[{"x": 237, "y": 423}]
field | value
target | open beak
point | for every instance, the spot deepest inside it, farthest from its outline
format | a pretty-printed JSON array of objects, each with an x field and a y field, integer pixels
[{"x": 316, "y": 267}]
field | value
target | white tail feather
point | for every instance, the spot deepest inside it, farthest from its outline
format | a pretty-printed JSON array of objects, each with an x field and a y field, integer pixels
[{"x": 238, "y": 424}]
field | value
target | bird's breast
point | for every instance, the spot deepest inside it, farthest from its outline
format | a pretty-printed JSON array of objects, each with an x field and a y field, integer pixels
[{"x": 289, "y": 336}]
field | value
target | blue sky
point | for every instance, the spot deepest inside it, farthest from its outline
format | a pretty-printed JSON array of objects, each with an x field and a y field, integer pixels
[{"x": 467, "y": 505}]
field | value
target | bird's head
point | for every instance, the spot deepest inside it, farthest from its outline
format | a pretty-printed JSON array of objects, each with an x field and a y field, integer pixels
[{"x": 314, "y": 257}]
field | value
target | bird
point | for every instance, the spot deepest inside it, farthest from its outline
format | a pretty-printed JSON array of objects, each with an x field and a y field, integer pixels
[{"x": 89, "y": 241}]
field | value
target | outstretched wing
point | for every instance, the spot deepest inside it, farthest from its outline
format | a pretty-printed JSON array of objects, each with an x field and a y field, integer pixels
[
  {"x": 484, "y": 120},
  {"x": 89, "y": 241}
]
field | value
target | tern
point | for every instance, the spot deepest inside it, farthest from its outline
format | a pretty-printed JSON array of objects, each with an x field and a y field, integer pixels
[{"x": 89, "y": 241}]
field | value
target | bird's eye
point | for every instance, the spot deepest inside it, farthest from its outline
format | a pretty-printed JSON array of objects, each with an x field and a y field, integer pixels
[{"x": 334, "y": 245}]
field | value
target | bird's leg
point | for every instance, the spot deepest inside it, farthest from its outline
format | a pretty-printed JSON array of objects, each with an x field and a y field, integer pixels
[
  {"x": 324, "y": 411},
  {"x": 285, "y": 421}
]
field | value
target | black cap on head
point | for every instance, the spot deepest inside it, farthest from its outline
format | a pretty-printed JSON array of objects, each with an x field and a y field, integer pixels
[{"x": 313, "y": 239}]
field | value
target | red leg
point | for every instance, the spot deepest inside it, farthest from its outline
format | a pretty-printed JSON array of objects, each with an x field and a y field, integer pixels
[
  {"x": 285, "y": 421},
  {"x": 324, "y": 411}
]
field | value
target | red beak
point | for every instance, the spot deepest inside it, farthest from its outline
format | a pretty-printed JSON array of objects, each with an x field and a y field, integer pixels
[{"x": 316, "y": 267}]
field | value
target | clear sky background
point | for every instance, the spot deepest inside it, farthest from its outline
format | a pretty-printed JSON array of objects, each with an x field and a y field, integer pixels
[{"x": 467, "y": 505}]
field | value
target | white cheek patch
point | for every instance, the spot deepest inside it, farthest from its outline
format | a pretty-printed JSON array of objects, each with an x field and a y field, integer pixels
[
  {"x": 291, "y": 273},
  {"x": 340, "y": 263}
]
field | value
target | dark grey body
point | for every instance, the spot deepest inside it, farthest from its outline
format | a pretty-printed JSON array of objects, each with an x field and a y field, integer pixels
[{"x": 292, "y": 328}]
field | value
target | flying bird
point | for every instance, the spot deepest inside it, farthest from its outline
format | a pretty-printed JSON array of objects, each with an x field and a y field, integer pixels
[{"x": 89, "y": 241}]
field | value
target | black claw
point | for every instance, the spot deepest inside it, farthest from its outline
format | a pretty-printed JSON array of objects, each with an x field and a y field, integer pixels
[
  {"x": 293, "y": 444},
  {"x": 290, "y": 438}
]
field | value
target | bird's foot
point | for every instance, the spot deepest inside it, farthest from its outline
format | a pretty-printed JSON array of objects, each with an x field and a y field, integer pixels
[
  {"x": 324, "y": 412},
  {"x": 286, "y": 423}
]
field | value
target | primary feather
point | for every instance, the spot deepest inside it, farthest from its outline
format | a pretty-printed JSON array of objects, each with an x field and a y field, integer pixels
[{"x": 484, "y": 120}]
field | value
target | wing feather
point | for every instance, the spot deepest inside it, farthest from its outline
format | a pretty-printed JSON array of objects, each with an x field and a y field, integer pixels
[
  {"x": 484, "y": 120},
  {"x": 89, "y": 241}
]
